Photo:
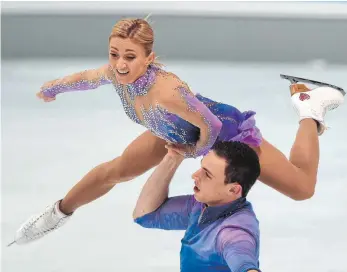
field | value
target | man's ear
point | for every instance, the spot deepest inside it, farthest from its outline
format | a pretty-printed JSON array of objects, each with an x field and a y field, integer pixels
[{"x": 235, "y": 188}]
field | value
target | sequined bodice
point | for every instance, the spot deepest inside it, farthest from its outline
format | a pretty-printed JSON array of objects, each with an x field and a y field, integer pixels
[
  {"x": 155, "y": 118},
  {"x": 129, "y": 109}
]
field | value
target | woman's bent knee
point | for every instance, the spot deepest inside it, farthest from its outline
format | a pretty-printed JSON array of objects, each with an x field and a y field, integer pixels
[{"x": 303, "y": 193}]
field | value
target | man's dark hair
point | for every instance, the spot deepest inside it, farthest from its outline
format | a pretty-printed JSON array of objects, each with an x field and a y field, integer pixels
[{"x": 242, "y": 164}]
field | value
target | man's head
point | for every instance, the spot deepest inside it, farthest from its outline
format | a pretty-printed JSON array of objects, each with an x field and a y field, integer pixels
[{"x": 227, "y": 172}]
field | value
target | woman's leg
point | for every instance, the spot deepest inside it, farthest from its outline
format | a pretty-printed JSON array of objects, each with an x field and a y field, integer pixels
[
  {"x": 297, "y": 176},
  {"x": 142, "y": 154}
]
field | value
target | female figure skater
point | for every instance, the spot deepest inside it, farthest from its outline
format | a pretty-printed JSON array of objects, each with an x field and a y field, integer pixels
[{"x": 164, "y": 104}]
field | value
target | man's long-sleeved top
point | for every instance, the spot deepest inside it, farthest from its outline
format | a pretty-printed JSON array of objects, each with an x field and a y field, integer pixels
[{"x": 217, "y": 238}]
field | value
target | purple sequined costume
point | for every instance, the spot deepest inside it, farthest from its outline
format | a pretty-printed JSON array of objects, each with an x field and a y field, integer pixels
[{"x": 225, "y": 122}]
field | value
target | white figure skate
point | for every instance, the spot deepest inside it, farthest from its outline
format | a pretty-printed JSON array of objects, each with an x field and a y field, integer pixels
[
  {"x": 40, "y": 225},
  {"x": 314, "y": 103}
]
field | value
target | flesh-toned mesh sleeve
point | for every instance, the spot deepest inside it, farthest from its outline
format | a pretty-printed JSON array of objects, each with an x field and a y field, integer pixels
[{"x": 81, "y": 81}]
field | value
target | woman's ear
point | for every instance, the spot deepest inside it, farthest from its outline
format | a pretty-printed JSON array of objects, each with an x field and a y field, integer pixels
[{"x": 150, "y": 58}]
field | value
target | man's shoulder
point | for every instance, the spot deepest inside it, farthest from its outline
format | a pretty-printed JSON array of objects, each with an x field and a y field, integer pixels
[{"x": 244, "y": 219}]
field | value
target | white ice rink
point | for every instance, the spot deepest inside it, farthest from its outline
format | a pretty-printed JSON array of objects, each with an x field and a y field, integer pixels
[{"x": 48, "y": 147}]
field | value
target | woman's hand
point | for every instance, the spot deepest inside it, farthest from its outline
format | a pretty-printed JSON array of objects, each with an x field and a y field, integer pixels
[
  {"x": 45, "y": 86},
  {"x": 40, "y": 95}
]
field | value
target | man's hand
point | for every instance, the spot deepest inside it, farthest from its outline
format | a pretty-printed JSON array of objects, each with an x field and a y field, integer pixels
[{"x": 175, "y": 151}]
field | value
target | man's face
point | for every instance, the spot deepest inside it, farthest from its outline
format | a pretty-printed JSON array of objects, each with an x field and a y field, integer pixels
[{"x": 210, "y": 187}]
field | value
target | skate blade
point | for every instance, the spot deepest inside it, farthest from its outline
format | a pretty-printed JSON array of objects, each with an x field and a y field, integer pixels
[
  {"x": 294, "y": 80},
  {"x": 10, "y": 244}
]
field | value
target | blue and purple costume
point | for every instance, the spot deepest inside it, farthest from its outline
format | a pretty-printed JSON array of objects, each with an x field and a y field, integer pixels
[
  {"x": 225, "y": 122},
  {"x": 217, "y": 238}
]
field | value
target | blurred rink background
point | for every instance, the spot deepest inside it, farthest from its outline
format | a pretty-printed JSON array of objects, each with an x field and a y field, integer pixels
[{"x": 230, "y": 51}]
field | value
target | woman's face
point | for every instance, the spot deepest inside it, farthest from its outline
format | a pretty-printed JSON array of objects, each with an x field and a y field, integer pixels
[{"x": 128, "y": 59}]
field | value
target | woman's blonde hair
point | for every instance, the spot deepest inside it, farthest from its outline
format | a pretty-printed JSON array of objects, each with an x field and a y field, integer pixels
[{"x": 138, "y": 30}]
